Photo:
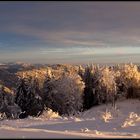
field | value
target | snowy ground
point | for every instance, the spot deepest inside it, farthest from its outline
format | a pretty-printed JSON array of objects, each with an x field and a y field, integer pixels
[{"x": 94, "y": 123}]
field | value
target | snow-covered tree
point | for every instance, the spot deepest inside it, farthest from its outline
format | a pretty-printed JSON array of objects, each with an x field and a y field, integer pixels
[
  {"x": 98, "y": 94},
  {"x": 7, "y": 106},
  {"x": 107, "y": 85},
  {"x": 2, "y": 95},
  {"x": 64, "y": 95},
  {"x": 35, "y": 104},
  {"x": 21, "y": 94},
  {"x": 93, "y": 93},
  {"x": 104, "y": 85},
  {"x": 81, "y": 71},
  {"x": 130, "y": 78},
  {"x": 88, "y": 91},
  {"x": 28, "y": 98}
]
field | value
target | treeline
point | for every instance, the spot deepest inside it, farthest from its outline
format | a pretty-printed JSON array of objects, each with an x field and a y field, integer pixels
[{"x": 69, "y": 90}]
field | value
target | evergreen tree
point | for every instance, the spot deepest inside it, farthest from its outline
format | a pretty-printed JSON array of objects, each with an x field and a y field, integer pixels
[
  {"x": 21, "y": 97},
  {"x": 34, "y": 94},
  {"x": 28, "y": 98},
  {"x": 88, "y": 91},
  {"x": 7, "y": 107}
]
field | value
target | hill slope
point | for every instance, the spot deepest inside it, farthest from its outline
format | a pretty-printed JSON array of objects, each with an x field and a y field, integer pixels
[{"x": 94, "y": 123}]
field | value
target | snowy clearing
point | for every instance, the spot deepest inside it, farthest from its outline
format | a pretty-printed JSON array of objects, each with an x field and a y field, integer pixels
[{"x": 94, "y": 123}]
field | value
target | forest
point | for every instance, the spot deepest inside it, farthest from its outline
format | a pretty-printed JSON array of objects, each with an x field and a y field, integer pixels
[{"x": 68, "y": 89}]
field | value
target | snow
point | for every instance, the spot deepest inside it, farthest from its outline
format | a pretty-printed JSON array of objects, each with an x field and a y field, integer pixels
[{"x": 97, "y": 122}]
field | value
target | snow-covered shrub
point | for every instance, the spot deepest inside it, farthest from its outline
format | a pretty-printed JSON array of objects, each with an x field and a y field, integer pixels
[
  {"x": 3, "y": 116},
  {"x": 49, "y": 114},
  {"x": 12, "y": 111},
  {"x": 132, "y": 119},
  {"x": 65, "y": 94},
  {"x": 106, "y": 116}
]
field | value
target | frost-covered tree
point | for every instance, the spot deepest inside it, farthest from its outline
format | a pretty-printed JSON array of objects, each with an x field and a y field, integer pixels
[
  {"x": 35, "y": 104},
  {"x": 88, "y": 91},
  {"x": 81, "y": 71},
  {"x": 98, "y": 94},
  {"x": 64, "y": 95},
  {"x": 3, "y": 102},
  {"x": 130, "y": 78},
  {"x": 7, "y": 106},
  {"x": 107, "y": 85},
  {"x": 93, "y": 93},
  {"x": 21, "y": 94},
  {"x": 28, "y": 98},
  {"x": 121, "y": 88},
  {"x": 2, "y": 95}
]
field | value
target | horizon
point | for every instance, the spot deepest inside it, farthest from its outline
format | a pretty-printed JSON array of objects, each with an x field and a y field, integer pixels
[{"x": 70, "y": 32}]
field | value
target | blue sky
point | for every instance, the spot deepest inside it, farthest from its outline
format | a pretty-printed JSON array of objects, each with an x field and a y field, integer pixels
[{"x": 70, "y": 32}]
